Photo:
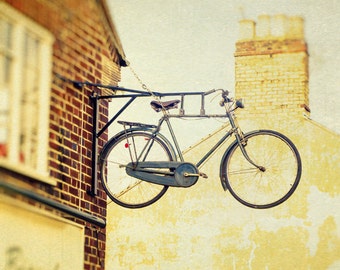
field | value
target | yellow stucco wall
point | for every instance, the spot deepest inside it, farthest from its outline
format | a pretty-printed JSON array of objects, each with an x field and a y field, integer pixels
[
  {"x": 204, "y": 227},
  {"x": 32, "y": 238}
]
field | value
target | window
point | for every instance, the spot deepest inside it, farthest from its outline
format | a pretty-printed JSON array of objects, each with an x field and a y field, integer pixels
[{"x": 25, "y": 74}]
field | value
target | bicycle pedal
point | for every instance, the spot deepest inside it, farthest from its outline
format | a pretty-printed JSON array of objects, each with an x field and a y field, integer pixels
[{"x": 203, "y": 175}]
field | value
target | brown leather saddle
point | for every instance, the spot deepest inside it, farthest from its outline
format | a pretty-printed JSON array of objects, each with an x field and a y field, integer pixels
[{"x": 166, "y": 105}]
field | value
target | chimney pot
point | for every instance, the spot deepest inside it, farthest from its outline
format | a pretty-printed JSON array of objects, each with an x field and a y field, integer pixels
[
  {"x": 279, "y": 25},
  {"x": 247, "y": 29},
  {"x": 263, "y": 26},
  {"x": 296, "y": 27}
]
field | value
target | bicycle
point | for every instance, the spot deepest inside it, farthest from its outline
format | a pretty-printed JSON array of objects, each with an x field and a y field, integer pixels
[{"x": 261, "y": 168}]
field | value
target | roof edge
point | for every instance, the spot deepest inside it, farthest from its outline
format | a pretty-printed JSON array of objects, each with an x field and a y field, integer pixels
[{"x": 115, "y": 37}]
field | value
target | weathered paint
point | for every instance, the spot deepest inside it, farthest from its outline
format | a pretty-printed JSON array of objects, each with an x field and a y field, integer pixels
[{"x": 204, "y": 227}]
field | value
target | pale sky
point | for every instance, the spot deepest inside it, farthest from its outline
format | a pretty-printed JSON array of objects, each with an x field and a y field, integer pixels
[{"x": 188, "y": 45}]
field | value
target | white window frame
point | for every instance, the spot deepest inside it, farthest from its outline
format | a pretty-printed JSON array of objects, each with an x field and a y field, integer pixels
[{"x": 22, "y": 25}]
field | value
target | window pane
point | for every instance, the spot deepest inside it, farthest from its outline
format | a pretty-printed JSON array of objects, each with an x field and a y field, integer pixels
[
  {"x": 5, "y": 68},
  {"x": 29, "y": 101},
  {"x": 5, "y": 34},
  {"x": 3, "y": 121},
  {"x": 5, "y": 51}
]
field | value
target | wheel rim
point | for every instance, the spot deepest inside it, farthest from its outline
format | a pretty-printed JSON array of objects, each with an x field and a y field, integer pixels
[
  {"x": 123, "y": 189},
  {"x": 263, "y": 188}
]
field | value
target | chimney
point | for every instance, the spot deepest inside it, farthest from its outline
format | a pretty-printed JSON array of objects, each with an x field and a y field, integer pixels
[
  {"x": 247, "y": 29},
  {"x": 263, "y": 26},
  {"x": 271, "y": 66}
]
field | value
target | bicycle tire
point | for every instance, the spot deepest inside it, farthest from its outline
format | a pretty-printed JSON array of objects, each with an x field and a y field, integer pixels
[
  {"x": 262, "y": 189},
  {"x": 121, "y": 188}
]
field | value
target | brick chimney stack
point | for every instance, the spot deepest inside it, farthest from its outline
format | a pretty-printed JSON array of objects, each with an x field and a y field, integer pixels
[{"x": 271, "y": 66}]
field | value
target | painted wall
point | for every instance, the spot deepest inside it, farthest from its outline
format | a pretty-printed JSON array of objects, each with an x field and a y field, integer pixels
[
  {"x": 32, "y": 239},
  {"x": 205, "y": 228}
]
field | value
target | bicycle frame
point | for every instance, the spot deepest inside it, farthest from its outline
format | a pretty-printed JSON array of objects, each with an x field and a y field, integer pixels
[
  {"x": 166, "y": 118},
  {"x": 132, "y": 94}
]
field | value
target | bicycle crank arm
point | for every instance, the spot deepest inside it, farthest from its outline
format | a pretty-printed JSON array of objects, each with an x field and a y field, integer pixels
[{"x": 186, "y": 174}]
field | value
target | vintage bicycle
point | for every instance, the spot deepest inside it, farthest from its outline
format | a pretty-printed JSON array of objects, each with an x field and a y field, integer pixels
[{"x": 261, "y": 168}]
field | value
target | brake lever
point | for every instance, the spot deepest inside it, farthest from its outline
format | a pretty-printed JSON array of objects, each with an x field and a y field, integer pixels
[
  {"x": 225, "y": 98},
  {"x": 214, "y": 90}
]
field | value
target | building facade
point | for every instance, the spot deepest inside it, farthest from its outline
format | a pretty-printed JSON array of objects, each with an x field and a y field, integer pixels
[
  {"x": 50, "y": 216},
  {"x": 204, "y": 227}
]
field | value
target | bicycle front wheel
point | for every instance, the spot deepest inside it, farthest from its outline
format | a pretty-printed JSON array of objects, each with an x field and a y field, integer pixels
[
  {"x": 271, "y": 185},
  {"x": 121, "y": 188}
]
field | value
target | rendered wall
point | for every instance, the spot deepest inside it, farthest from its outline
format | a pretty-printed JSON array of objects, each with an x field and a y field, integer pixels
[
  {"x": 32, "y": 239},
  {"x": 205, "y": 228}
]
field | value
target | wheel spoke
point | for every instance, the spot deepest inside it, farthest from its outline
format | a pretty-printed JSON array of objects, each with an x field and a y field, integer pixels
[
  {"x": 123, "y": 192},
  {"x": 244, "y": 171},
  {"x": 263, "y": 188},
  {"x": 126, "y": 190}
]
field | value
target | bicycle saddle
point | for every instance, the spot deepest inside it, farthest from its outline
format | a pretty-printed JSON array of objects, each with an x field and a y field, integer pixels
[{"x": 167, "y": 105}]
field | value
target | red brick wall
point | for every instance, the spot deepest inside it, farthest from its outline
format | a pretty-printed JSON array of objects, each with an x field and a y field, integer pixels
[{"x": 83, "y": 50}]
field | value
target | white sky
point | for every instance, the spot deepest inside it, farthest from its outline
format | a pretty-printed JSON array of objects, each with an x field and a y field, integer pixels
[{"x": 188, "y": 45}]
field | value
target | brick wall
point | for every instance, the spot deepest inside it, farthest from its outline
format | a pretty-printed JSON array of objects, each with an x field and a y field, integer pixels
[
  {"x": 84, "y": 50},
  {"x": 271, "y": 66}
]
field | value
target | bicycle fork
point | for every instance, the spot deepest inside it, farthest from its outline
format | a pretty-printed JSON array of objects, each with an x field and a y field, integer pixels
[{"x": 242, "y": 142}]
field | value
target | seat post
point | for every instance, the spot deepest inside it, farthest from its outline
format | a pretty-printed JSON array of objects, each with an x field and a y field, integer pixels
[{"x": 173, "y": 136}]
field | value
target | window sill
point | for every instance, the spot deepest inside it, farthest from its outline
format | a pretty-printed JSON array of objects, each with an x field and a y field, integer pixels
[{"x": 27, "y": 172}]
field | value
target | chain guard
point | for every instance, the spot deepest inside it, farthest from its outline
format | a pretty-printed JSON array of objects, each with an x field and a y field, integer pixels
[{"x": 181, "y": 175}]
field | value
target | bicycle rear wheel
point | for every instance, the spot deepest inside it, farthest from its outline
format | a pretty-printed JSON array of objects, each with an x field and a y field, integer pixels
[
  {"x": 121, "y": 188},
  {"x": 256, "y": 188}
]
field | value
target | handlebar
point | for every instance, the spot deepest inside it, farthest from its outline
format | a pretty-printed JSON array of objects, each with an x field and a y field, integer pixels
[
  {"x": 224, "y": 92},
  {"x": 225, "y": 98}
]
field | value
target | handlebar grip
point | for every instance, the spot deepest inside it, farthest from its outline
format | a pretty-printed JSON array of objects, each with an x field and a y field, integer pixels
[
  {"x": 224, "y": 92},
  {"x": 209, "y": 92}
]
